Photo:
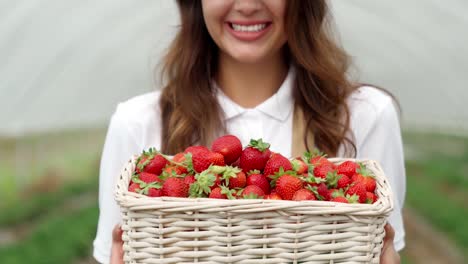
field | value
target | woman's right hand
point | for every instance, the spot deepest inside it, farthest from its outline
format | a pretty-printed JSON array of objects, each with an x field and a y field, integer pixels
[{"x": 117, "y": 252}]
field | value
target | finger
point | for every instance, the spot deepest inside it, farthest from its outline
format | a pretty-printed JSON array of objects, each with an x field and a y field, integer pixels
[
  {"x": 389, "y": 232},
  {"x": 117, "y": 233}
]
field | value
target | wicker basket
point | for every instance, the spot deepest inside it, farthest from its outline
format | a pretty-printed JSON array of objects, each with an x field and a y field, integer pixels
[{"x": 185, "y": 230}]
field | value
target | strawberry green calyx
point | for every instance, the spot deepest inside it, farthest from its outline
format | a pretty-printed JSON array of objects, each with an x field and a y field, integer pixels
[
  {"x": 226, "y": 172},
  {"x": 352, "y": 199},
  {"x": 312, "y": 179},
  {"x": 364, "y": 171},
  {"x": 332, "y": 179},
  {"x": 144, "y": 187},
  {"x": 295, "y": 164},
  {"x": 203, "y": 184},
  {"x": 314, "y": 189},
  {"x": 337, "y": 193},
  {"x": 259, "y": 144},
  {"x": 228, "y": 192},
  {"x": 253, "y": 172}
]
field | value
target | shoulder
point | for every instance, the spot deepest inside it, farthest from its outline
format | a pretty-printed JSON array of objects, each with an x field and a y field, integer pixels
[
  {"x": 369, "y": 100},
  {"x": 140, "y": 118},
  {"x": 139, "y": 107},
  {"x": 370, "y": 107}
]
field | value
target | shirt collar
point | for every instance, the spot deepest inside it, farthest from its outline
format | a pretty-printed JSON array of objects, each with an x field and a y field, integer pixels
[{"x": 279, "y": 106}]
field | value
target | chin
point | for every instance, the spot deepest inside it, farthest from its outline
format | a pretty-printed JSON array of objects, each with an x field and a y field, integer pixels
[{"x": 248, "y": 57}]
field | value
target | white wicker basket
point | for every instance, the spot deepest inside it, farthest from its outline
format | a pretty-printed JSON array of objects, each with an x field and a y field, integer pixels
[{"x": 185, "y": 230}]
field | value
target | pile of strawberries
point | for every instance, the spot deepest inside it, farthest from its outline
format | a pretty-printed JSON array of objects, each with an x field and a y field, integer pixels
[{"x": 228, "y": 171}]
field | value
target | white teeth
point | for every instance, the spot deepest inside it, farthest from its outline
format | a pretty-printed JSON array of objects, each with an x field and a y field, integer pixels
[{"x": 250, "y": 28}]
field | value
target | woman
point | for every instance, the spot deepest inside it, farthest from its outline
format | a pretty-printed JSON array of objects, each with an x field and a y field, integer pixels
[{"x": 248, "y": 68}]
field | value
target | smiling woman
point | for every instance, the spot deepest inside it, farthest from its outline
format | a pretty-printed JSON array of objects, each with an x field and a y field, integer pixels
[{"x": 250, "y": 68}]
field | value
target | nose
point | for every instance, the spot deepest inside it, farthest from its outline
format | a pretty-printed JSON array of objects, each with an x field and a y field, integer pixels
[{"x": 247, "y": 7}]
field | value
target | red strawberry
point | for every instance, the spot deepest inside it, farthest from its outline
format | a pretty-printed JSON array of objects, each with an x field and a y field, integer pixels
[
  {"x": 274, "y": 164},
  {"x": 252, "y": 192},
  {"x": 322, "y": 170},
  {"x": 171, "y": 171},
  {"x": 343, "y": 181},
  {"x": 239, "y": 181},
  {"x": 371, "y": 198},
  {"x": 154, "y": 192},
  {"x": 323, "y": 191},
  {"x": 303, "y": 195},
  {"x": 149, "y": 177},
  {"x": 260, "y": 180},
  {"x": 273, "y": 196},
  {"x": 134, "y": 187},
  {"x": 216, "y": 159},
  {"x": 196, "y": 149},
  {"x": 216, "y": 194},
  {"x": 175, "y": 187},
  {"x": 318, "y": 158},
  {"x": 151, "y": 162},
  {"x": 358, "y": 189},
  {"x": 340, "y": 199},
  {"x": 179, "y": 157},
  {"x": 287, "y": 185},
  {"x": 255, "y": 156},
  {"x": 202, "y": 160},
  {"x": 189, "y": 179},
  {"x": 229, "y": 146},
  {"x": 365, "y": 176},
  {"x": 299, "y": 166},
  {"x": 347, "y": 168}
]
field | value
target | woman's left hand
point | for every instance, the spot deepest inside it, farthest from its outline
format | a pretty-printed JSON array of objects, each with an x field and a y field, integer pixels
[{"x": 389, "y": 254}]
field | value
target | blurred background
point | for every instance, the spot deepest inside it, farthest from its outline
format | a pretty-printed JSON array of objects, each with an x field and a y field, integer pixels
[{"x": 66, "y": 64}]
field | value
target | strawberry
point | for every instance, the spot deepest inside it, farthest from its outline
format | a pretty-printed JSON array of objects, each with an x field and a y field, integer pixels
[
  {"x": 303, "y": 194},
  {"x": 255, "y": 178},
  {"x": 358, "y": 189},
  {"x": 154, "y": 192},
  {"x": 255, "y": 156},
  {"x": 175, "y": 187},
  {"x": 229, "y": 146},
  {"x": 152, "y": 162},
  {"x": 189, "y": 179},
  {"x": 321, "y": 170},
  {"x": 273, "y": 196},
  {"x": 134, "y": 187},
  {"x": 274, "y": 163},
  {"x": 371, "y": 197},
  {"x": 316, "y": 157},
  {"x": 216, "y": 194},
  {"x": 365, "y": 176},
  {"x": 340, "y": 199},
  {"x": 323, "y": 191},
  {"x": 252, "y": 192},
  {"x": 196, "y": 149},
  {"x": 149, "y": 177},
  {"x": 335, "y": 193},
  {"x": 179, "y": 157},
  {"x": 239, "y": 181},
  {"x": 287, "y": 185},
  {"x": 343, "y": 181},
  {"x": 171, "y": 171},
  {"x": 201, "y": 160},
  {"x": 347, "y": 168},
  {"x": 299, "y": 166}
]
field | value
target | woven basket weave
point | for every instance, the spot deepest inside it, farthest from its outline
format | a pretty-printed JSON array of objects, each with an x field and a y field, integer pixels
[{"x": 202, "y": 230}]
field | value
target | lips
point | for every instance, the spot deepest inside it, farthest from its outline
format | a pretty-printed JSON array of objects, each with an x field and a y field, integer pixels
[{"x": 248, "y": 31}]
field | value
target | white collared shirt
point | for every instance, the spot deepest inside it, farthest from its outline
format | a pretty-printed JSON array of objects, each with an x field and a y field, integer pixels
[{"x": 136, "y": 125}]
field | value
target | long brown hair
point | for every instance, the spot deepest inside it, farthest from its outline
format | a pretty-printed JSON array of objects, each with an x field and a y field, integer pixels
[{"x": 191, "y": 113}]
